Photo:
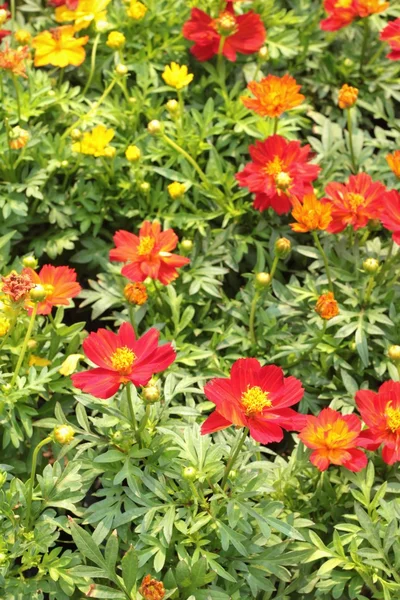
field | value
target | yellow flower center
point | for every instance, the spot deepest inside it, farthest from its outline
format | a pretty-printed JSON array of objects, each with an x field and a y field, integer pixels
[
  {"x": 254, "y": 400},
  {"x": 274, "y": 167},
  {"x": 146, "y": 245},
  {"x": 283, "y": 180},
  {"x": 49, "y": 289},
  {"x": 355, "y": 200},
  {"x": 122, "y": 360},
  {"x": 392, "y": 417},
  {"x": 225, "y": 24}
]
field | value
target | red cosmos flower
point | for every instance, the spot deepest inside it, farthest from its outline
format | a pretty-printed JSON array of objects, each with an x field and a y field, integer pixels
[
  {"x": 149, "y": 254},
  {"x": 5, "y": 32},
  {"x": 278, "y": 172},
  {"x": 334, "y": 438},
  {"x": 381, "y": 413},
  {"x": 60, "y": 285},
  {"x": 121, "y": 358},
  {"x": 391, "y": 35},
  {"x": 255, "y": 397},
  {"x": 354, "y": 203},
  {"x": 343, "y": 12},
  {"x": 242, "y": 33},
  {"x": 390, "y": 216}
]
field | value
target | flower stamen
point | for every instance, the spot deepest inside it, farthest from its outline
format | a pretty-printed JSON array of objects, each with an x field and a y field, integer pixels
[
  {"x": 254, "y": 400},
  {"x": 146, "y": 245},
  {"x": 122, "y": 360},
  {"x": 392, "y": 417}
]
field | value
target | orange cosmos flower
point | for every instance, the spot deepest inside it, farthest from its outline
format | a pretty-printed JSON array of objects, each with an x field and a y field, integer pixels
[
  {"x": 393, "y": 160},
  {"x": 135, "y": 293},
  {"x": 326, "y": 306},
  {"x": 152, "y": 589},
  {"x": 391, "y": 35},
  {"x": 365, "y": 8},
  {"x": 273, "y": 95},
  {"x": 149, "y": 254},
  {"x": 59, "y": 283},
  {"x": 354, "y": 203},
  {"x": 13, "y": 61},
  {"x": 310, "y": 215},
  {"x": 334, "y": 438},
  {"x": 347, "y": 96},
  {"x": 59, "y": 47}
]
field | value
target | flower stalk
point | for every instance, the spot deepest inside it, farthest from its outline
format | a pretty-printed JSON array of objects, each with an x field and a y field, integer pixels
[
  {"x": 31, "y": 485},
  {"x": 233, "y": 456},
  {"x": 325, "y": 259},
  {"x": 354, "y": 166},
  {"x": 24, "y": 346}
]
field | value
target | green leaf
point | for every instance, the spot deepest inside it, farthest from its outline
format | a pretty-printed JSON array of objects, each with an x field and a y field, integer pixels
[
  {"x": 86, "y": 545},
  {"x": 111, "y": 551},
  {"x": 129, "y": 566}
]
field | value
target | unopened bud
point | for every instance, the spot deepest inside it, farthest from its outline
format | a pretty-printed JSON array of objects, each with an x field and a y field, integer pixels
[
  {"x": 263, "y": 279},
  {"x": 154, "y": 127},
  {"x": 3, "y": 16},
  {"x": 172, "y": 107},
  {"x": 102, "y": 26},
  {"x": 394, "y": 353},
  {"x": 38, "y": 293},
  {"x": 187, "y": 245},
  {"x": 283, "y": 247},
  {"x": 263, "y": 53},
  {"x": 76, "y": 134},
  {"x": 63, "y": 434},
  {"x": 110, "y": 152},
  {"x": 121, "y": 69},
  {"x": 30, "y": 262},
  {"x": 371, "y": 265},
  {"x": 145, "y": 186},
  {"x": 189, "y": 473},
  {"x": 133, "y": 153},
  {"x": 150, "y": 394}
]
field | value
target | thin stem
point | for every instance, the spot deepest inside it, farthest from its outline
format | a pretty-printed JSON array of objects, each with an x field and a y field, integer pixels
[
  {"x": 273, "y": 268},
  {"x": 233, "y": 455},
  {"x": 143, "y": 422},
  {"x": 252, "y": 317},
  {"x": 131, "y": 407},
  {"x": 369, "y": 288},
  {"x": 351, "y": 147},
  {"x": 324, "y": 258},
  {"x": 386, "y": 264},
  {"x": 92, "y": 64},
  {"x": 276, "y": 120},
  {"x": 24, "y": 345},
  {"x": 17, "y": 96},
  {"x": 364, "y": 44},
  {"x": 132, "y": 318},
  {"x": 32, "y": 480}
]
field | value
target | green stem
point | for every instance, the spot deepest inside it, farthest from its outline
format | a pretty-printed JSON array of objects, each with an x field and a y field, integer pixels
[
  {"x": 386, "y": 264},
  {"x": 24, "y": 345},
  {"x": 143, "y": 422},
  {"x": 252, "y": 317},
  {"x": 369, "y": 289},
  {"x": 17, "y": 96},
  {"x": 364, "y": 44},
  {"x": 131, "y": 407},
  {"x": 324, "y": 258},
  {"x": 233, "y": 455},
  {"x": 273, "y": 268},
  {"x": 351, "y": 147},
  {"x": 32, "y": 480},
  {"x": 92, "y": 64},
  {"x": 275, "y": 130},
  {"x": 132, "y": 318}
]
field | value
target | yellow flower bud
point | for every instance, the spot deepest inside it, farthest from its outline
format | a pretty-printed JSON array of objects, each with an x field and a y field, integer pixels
[
  {"x": 283, "y": 247},
  {"x": 110, "y": 152},
  {"x": 115, "y": 40},
  {"x": 347, "y": 96},
  {"x": 22, "y": 36},
  {"x": 371, "y": 265},
  {"x": 263, "y": 53},
  {"x": 145, "y": 187},
  {"x": 133, "y": 153},
  {"x": 189, "y": 473},
  {"x": 150, "y": 394},
  {"x": 136, "y": 10},
  {"x": 172, "y": 107},
  {"x": 154, "y": 127},
  {"x": 76, "y": 134},
  {"x": 263, "y": 279},
  {"x": 30, "y": 262},
  {"x": 121, "y": 69},
  {"x": 38, "y": 293},
  {"x": 394, "y": 353},
  {"x": 102, "y": 26},
  {"x": 63, "y": 434},
  {"x": 176, "y": 190},
  {"x": 70, "y": 364},
  {"x": 187, "y": 245}
]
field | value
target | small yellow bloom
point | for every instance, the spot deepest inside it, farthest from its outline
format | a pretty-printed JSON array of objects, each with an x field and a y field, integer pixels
[
  {"x": 86, "y": 12},
  {"x": 70, "y": 364},
  {"x": 347, "y": 96},
  {"x": 133, "y": 153},
  {"x": 176, "y": 190},
  {"x": 4, "y": 325},
  {"x": 18, "y": 138},
  {"x": 59, "y": 47},
  {"x": 115, "y": 40},
  {"x": 38, "y": 361},
  {"x": 94, "y": 142},
  {"x": 22, "y": 36},
  {"x": 63, "y": 434},
  {"x": 177, "y": 76},
  {"x": 136, "y": 10}
]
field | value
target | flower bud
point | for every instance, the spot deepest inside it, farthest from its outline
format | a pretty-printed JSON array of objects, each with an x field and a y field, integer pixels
[
  {"x": 172, "y": 107},
  {"x": 38, "y": 293},
  {"x": 63, "y": 434},
  {"x": 150, "y": 394},
  {"x": 102, "y": 25},
  {"x": 76, "y": 134},
  {"x": 187, "y": 245},
  {"x": 136, "y": 293},
  {"x": 189, "y": 473},
  {"x": 151, "y": 589},
  {"x": 371, "y": 265},
  {"x": 154, "y": 127},
  {"x": 133, "y": 153},
  {"x": 263, "y": 53},
  {"x": 32, "y": 344},
  {"x": 22, "y": 36},
  {"x": 326, "y": 306},
  {"x": 110, "y": 152},
  {"x": 347, "y": 96},
  {"x": 18, "y": 138},
  {"x": 263, "y": 279},
  {"x": 51, "y": 93},
  {"x": 64, "y": 164},
  {"x": 176, "y": 190},
  {"x": 121, "y": 69},
  {"x": 6, "y": 388},
  {"x": 144, "y": 186},
  {"x": 132, "y": 100},
  {"x": 3, "y": 16},
  {"x": 115, "y": 40},
  {"x": 394, "y": 353},
  {"x": 283, "y": 247}
]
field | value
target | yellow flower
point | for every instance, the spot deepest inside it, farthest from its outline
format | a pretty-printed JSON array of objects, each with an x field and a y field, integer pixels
[
  {"x": 70, "y": 364},
  {"x": 22, "y": 36},
  {"x": 38, "y": 361},
  {"x": 176, "y": 190},
  {"x": 177, "y": 76},
  {"x": 86, "y": 12},
  {"x": 136, "y": 10},
  {"x": 133, "y": 153},
  {"x": 59, "y": 47},
  {"x": 94, "y": 142},
  {"x": 4, "y": 325},
  {"x": 115, "y": 40}
]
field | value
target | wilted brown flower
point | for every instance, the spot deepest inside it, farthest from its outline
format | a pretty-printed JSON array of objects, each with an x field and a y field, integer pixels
[
  {"x": 17, "y": 286},
  {"x": 151, "y": 589}
]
